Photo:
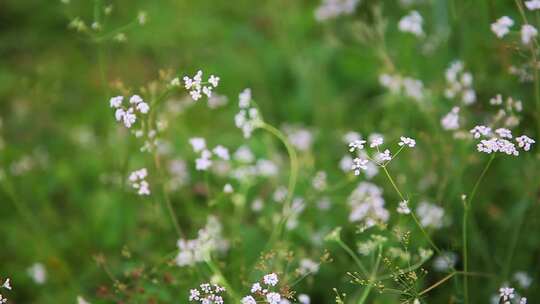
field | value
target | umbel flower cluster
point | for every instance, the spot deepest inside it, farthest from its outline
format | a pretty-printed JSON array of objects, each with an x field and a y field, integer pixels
[
  {"x": 138, "y": 181},
  {"x": 248, "y": 118},
  {"x": 209, "y": 240},
  {"x": 500, "y": 140},
  {"x": 127, "y": 113},
  {"x": 197, "y": 87},
  {"x": 265, "y": 291},
  {"x": 207, "y": 294},
  {"x": 378, "y": 157}
]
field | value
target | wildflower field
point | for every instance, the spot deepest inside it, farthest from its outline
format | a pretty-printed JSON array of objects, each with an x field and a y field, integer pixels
[{"x": 324, "y": 151}]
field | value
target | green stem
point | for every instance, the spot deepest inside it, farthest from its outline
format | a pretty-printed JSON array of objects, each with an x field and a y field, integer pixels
[
  {"x": 354, "y": 257},
  {"x": 373, "y": 277},
  {"x": 224, "y": 281},
  {"x": 467, "y": 205},
  {"x": 424, "y": 232},
  {"x": 293, "y": 159}
]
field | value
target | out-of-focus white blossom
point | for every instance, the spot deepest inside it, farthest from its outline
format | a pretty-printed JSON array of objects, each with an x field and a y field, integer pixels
[
  {"x": 248, "y": 118},
  {"x": 330, "y": 9},
  {"x": 407, "y": 141},
  {"x": 367, "y": 205},
  {"x": 412, "y": 23},
  {"x": 209, "y": 240},
  {"x": 532, "y": 5},
  {"x": 528, "y": 32},
  {"x": 451, "y": 120},
  {"x": 459, "y": 83},
  {"x": 38, "y": 273},
  {"x": 403, "y": 207},
  {"x": 207, "y": 294},
  {"x": 430, "y": 215},
  {"x": 138, "y": 181},
  {"x": 501, "y": 27}
]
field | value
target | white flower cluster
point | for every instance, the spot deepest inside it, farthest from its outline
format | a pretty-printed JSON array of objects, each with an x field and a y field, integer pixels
[
  {"x": 248, "y": 118},
  {"x": 397, "y": 84},
  {"x": 248, "y": 167},
  {"x": 499, "y": 141},
  {"x": 459, "y": 83},
  {"x": 450, "y": 121},
  {"x": 330, "y": 9},
  {"x": 209, "y": 239},
  {"x": 261, "y": 292},
  {"x": 367, "y": 205},
  {"x": 128, "y": 113},
  {"x": 6, "y": 285},
  {"x": 363, "y": 159},
  {"x": 197, "y": 87},
  {"x": 205, "y": 155},
  {"x": 207, "y": 294},
  {"x": 138, "y": 181},
  {"x": 523, "y": 279},
  {"x": 507, "y": 295},
  {"x": 430, "y": 215},
  {"x": 412, "y": 23},
  {"x": 403, "y": 207},
  {"x": 502, "y": 26}
]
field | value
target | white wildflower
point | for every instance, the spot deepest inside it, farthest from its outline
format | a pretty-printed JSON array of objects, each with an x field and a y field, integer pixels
[
  {"x": 138, "y": 181},
  {"x": 271, "y": 279},
  {"x": 330, "y": 9},
  {"x": 451, "y": 120},
  {"x": 273, "y": 298},
  {"x": 532, "y": 5},
  {"x": 480, "y": 130},
  {"x": 528, "y": 32},
  {"x": 412, "y": 23},
  {"x": 359, "y": 164},
  {"x": 430, "y": 215},
  {"x": 403, "y": 207},
  {"x": 502, "y": 26},
  {"x": 198, "y": 144},
  {"x": 407, "y": 141},
  {"x": 525, "y": 142}
]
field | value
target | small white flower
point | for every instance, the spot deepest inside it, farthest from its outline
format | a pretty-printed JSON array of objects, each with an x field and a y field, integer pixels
[
  {"x": 221, "y": 152},
  {"x": 137, "y": 179},
  {"x": 204, "y": 162},
  {"x": 403, "y": 207},
  {"x": 412, "y": 23},
  {"x": 376, "y": 141},
  {"x": 383, "y": 157},
  {"x": 528, "y": 32},
  {"x": 244, "y": 99},
  {"x": 451, "y": 120},
  {"x": 304, "y": 299},
  {"x": 256, "y": 288},
  {"x": 143, "y": 107},
  {"x": 273, "y": 298},
  {"x": 271, "y": 279},
  {"x": 198, "y": 144},
  {"x": 502, "y": 26},
  {"x": 116, "y": 101},
  {"x": 407, "y": 141},
  {"x": 135, "y": 99},
  {"x": 504, "y": 133},
  {"x": 7, "y": 285},
  {"x": 228, "y": 189},
  {"x": 523, "y": 279},
  {"x": 213, "y": 80},
  {"x": 525, "y": 142},
  {"x": 248, "y": 300},
  {"x": 480, "y": 130},
  {"x": 356, "y": 145},
  {"x": 532, "y": 5},
  {"x": 506, "y": 293},
  {"x": 359, "y": 164}
]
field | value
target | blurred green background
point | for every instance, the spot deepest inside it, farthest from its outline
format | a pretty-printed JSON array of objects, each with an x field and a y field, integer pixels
[{"x": 67, "y": 204}]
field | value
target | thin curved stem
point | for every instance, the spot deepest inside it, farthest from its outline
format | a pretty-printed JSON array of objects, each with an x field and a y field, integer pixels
[{"x": 466, "y": 207}]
